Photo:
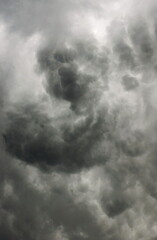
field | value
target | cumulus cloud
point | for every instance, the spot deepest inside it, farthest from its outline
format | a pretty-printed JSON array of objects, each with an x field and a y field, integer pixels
[{"x": 78, "y": 120}]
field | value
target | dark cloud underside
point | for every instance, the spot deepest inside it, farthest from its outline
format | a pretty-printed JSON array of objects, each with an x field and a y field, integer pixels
[{"x": 78, "y": 120}]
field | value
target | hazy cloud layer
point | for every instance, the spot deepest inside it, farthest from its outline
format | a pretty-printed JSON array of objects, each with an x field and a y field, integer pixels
[{"x": 78, "y": 120}]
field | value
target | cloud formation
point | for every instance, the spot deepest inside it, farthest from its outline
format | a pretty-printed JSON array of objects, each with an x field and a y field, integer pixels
[{"x": 78, "y": 120}]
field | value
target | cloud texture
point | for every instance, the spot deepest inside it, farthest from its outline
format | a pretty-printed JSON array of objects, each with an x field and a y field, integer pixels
[{"x": 78, "y": 120}]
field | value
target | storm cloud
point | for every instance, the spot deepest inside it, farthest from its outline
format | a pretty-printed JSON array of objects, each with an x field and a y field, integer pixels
[{"x": 78, "y": 120}]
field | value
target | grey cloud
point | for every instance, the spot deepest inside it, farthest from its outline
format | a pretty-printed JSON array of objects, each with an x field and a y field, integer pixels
[
  {"x": 133, "y": 145},
  {"x": 76, "y": 220},
  {"x": 34, "y": 138},
  {"x": 63, "y": 78},
  {"x": 129, "y": 82},
  {"x": 41, "y": 16},
  {"x": 70, "y": 145},
  {"x": 142, "y": 41},
  {"x": 126, "y": 57},
  {"x": 121, "y": 46},
  {"x": 65, "y": 55},
  {"x": 25, "y": 137},
  {"x": 49, "y": 185},
  {"x": 116, "y": 207}
]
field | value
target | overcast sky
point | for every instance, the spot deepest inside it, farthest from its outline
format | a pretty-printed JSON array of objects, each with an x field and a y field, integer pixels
[{"x": 78, "y": 142}]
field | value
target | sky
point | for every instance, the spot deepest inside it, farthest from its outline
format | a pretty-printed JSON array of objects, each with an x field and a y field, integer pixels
[{"x": 78, "y": 83}]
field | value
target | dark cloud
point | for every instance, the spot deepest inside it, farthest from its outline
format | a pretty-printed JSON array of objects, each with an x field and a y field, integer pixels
[
  {"x": 116, "y": 206},
  {"x": 142, "y": 41},
  {"x": 78, "y": 121},
  {"x": 36, "y": 139},
  {"x": 70, "y": 87},
  {"x": 63, "y": 79},
  {"x": 129, "y": 82},
  {"x": 31, "y": 137},
  {"x": 134, "y": 145},
  {"x": 65, "y": 55},
  {"x": 77, "y": 220}
]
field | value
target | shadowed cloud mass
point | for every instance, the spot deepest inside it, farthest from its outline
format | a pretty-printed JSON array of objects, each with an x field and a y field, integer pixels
[{"x": 78, "y": 120}]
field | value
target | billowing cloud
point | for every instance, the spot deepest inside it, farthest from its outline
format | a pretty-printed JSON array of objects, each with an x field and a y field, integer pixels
[{"x": 78, "y": 120}]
